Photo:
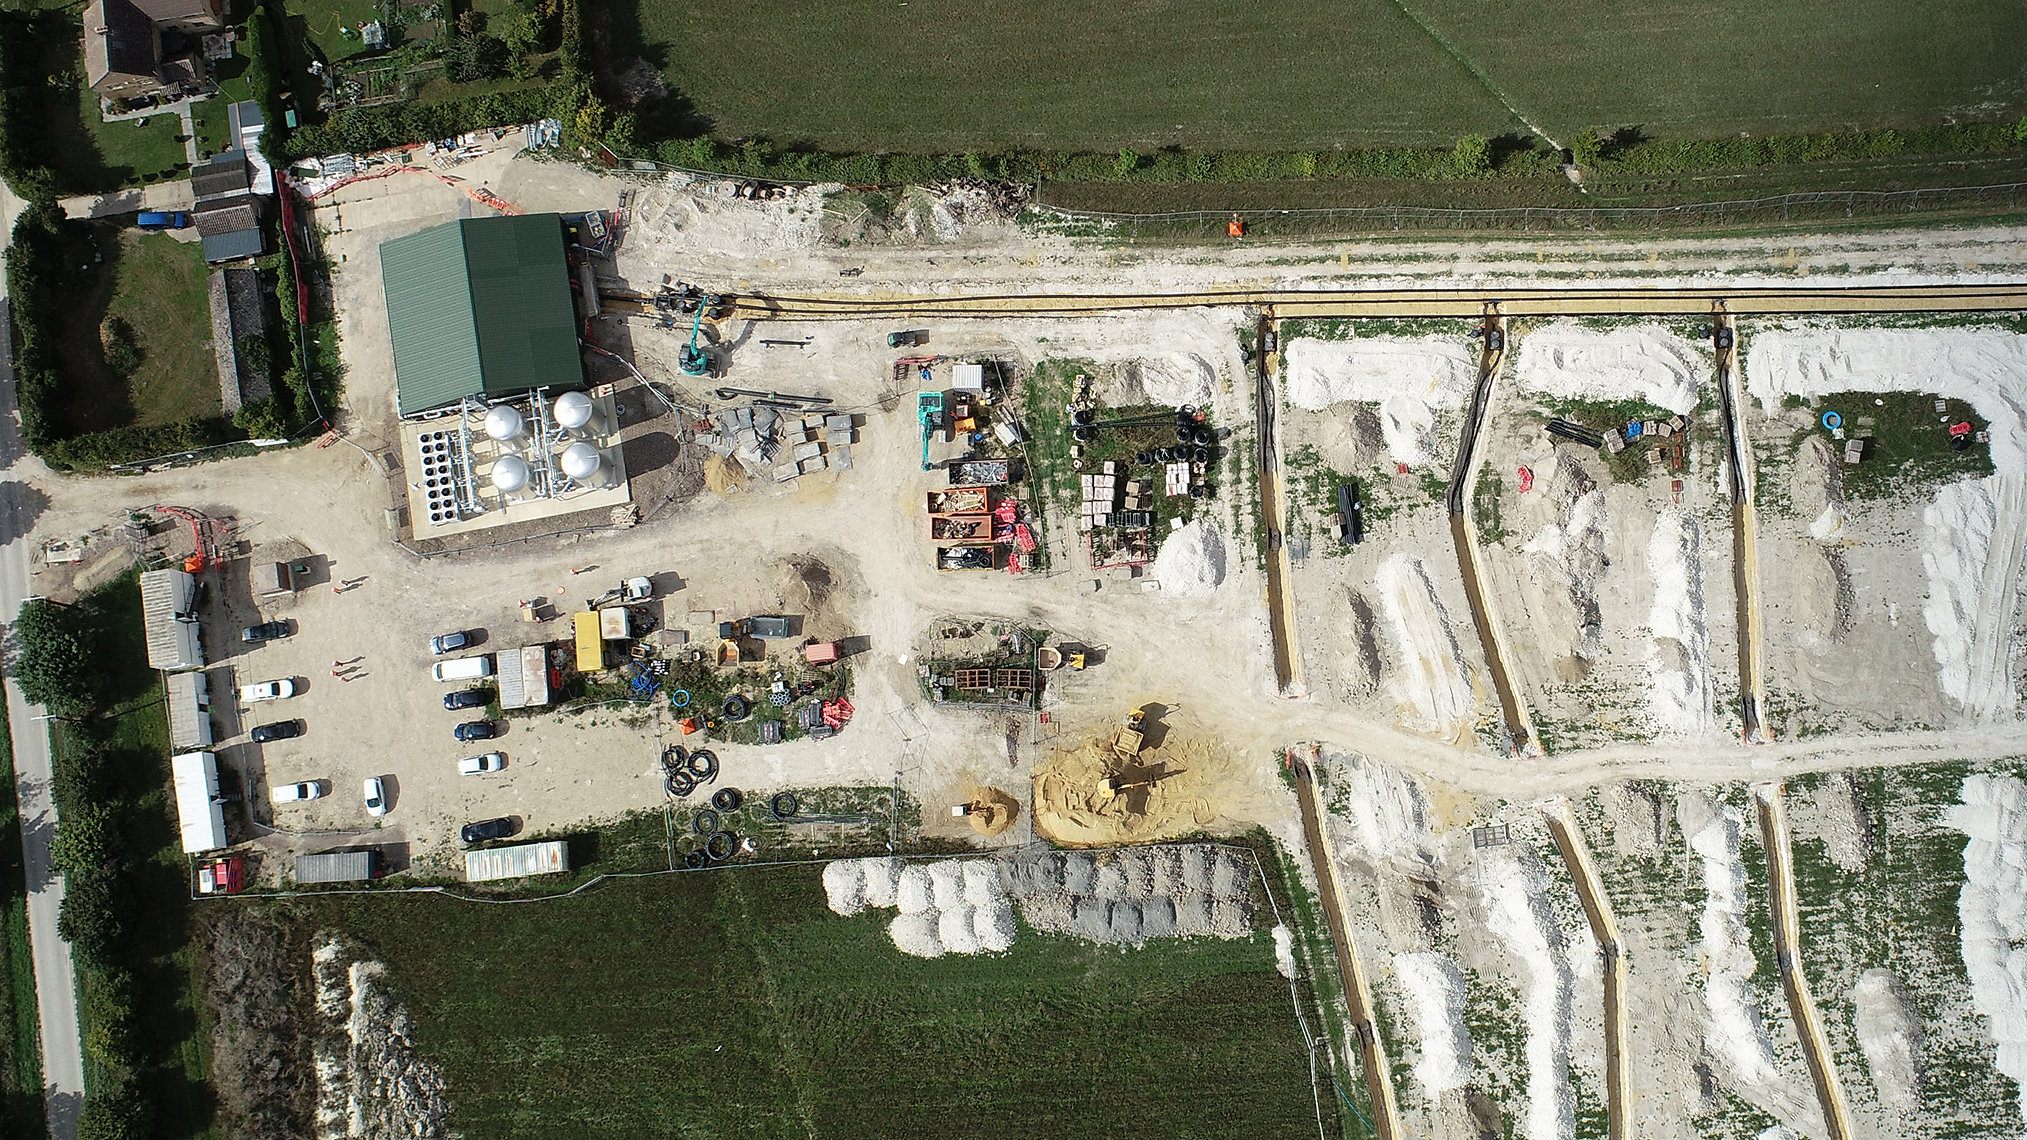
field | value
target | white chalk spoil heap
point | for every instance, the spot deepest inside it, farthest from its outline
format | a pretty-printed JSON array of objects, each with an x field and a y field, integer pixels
[
  {"x": 1992, "y": 911},
  {"x": 1410, "y": 379},
  {"x": 1566, "y": 360},
  {"x": 966, "y": 906},
  {"x": 1192, "y": 561}
]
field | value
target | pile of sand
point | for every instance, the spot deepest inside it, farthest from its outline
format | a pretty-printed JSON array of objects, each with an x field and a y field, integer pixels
[
  {"x": 1735, "y": 1033},
  {"x": 1992, "y": 912},
  {"x": 1133, "y": 894},
  {"x": 1679, "y": 669},
  {"x": 953, "y": 906},
  {"x": 1436, "y": 986},
  {"x": 1429, "y": 680},
  {"x": 1387, "y": 809},
  {"x": 1410, "y": 379},
  {"x": 1070, "y": 809},
  {"x": 1176, "y": 379},
  {"x": 1191, "y": 563},
  {"x": 1890, "y": 1036},
  {"x": 1567, "y": 555},
  {"x": 1973, "y": 559},
  {"x": 1518, "y": 908},
  {"x": 1568, "y": 361}
]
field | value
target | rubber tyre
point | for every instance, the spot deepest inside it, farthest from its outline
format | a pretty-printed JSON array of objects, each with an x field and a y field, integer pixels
[
  {"x": 703, "y": 766},
  {"x": 696, "y": 859},
  {"x": 783, "y": 805},
  {"x": 705, "y": 822},
  {"x": 720, "y": 841},
  {"x": 737, "y": 707},
  {"x": 728, "y": 799},
  {"x": 679, "y": 784}
]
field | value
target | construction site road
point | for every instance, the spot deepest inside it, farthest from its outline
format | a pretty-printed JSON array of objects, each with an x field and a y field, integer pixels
[
  {"x": 1745, "y": 566},
  {"x": 1787, "y": 931}
]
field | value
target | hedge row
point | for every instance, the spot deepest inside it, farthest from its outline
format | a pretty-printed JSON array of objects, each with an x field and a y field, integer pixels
[
  {"x": 1470, "y": 158},
  {"x": 1633, "y": 155}
]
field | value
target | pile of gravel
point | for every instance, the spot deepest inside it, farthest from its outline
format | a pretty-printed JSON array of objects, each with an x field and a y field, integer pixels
[
  {"x": 1134, "y": 894},
  {"x": 966, "y": 906}
]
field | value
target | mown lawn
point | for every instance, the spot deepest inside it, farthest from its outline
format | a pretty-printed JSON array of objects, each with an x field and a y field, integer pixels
[
  {"x": 1208, "y": 75},
  {"x": 733, "y": 1003}
]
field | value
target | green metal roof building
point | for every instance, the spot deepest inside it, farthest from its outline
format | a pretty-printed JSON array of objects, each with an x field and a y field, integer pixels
[{"x": 480, "y": 306}]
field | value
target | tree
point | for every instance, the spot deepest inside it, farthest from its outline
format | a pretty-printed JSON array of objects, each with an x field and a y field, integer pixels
[
  {"x": 55, "y": 665},
  {"x": 116, "y": 1112},
  {"x": 476, "y": 57},
  {"x": 1473, "y": 155},
  {"x": 1588, "y": 148},
  {"x": 259, "y": 419},
  {"x": 519, "y": 29},
  {"x": 89, "y": 918}
]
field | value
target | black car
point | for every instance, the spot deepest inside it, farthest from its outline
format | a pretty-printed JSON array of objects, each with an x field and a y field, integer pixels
[
  {"x": 468, "y": 699},
  {"x": 487, "y": 829},
  {"x": 265, "y": 631},
  {"x": 476, "y": 730},
  {"x": 279, "y": 730}
]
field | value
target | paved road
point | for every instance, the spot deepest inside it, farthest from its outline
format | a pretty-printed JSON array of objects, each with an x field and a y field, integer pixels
[{"x": 55, "y": 983}]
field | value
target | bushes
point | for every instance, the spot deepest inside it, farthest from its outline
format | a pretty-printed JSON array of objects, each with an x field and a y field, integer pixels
[
  {"x": 1627, "y": 151},
  {"x": 402, "y": 124}
]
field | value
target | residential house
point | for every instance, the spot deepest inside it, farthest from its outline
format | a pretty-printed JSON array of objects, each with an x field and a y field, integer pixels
[{"x": 136, "y": 48}]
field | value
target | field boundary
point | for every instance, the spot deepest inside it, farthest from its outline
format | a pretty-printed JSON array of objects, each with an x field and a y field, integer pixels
[{"x": 1778, "y": 207}]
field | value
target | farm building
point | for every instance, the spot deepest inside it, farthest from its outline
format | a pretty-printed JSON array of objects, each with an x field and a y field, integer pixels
[
  {"x": 226, "y": 209},
  {"x": 480, "y": 307},
  {"x": 169, "y": 614}
]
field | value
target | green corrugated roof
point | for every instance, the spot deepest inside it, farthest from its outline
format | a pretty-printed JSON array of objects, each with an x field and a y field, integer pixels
[{"x": 480, "y": 305}]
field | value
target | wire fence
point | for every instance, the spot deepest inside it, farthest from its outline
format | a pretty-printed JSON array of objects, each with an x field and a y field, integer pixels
[{"x": 1816, "y": 205}]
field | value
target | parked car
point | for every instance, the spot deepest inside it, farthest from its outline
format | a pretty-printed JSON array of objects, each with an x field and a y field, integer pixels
[
  {"x": 376, "y": 797},
  {"x": 487, "y": 829},
  {"x": 295, "y": 793},
  {"x": 449, "y": 642},
  {"x": 468, "y": 699},
  {"x": 476, "y": 730},
  {"x": 279, "y": 730},
  {"x": 162, "y": 219},
  {"x": 265, "y": 631},
  {"x": 490, "y": 762},
  {"x": 267, "y": 691}
]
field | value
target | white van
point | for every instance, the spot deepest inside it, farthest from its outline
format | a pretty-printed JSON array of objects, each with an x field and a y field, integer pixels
[{"x": 463, "y": 668}]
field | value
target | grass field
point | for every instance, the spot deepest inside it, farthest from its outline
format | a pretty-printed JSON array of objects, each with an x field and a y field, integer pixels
[
  {"x": 1206, "y": 75},
  {"x": 158, "y": 285},
  {"x": 735, "y": 1004}
]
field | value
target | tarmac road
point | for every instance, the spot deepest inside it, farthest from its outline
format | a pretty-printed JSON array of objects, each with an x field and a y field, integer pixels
[{"x": 55, "y": 982}]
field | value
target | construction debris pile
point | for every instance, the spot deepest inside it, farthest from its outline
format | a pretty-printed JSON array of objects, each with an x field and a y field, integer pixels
[
  {"x": 769, "y": 443},
  {"x": 965, "y": 906}
]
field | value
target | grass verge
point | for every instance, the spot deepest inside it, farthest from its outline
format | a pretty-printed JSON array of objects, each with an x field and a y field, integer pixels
[{"x": 21, "y": 1111}]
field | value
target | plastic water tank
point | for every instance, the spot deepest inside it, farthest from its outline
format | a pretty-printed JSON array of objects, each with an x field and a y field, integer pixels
[
  {"x": 572, "y": 410},
  {"x": 510, "y": 473},
  {"x": 505, "y": 423},
  {"x": 581, "y": 461}
]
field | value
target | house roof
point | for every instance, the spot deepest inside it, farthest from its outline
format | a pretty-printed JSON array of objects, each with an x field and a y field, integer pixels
[
  {"x": 118, "y": 40},
  {"x": 231, "y": 232},
  {"x": 224, "y": 173},
  {"x": 480, "y": 306}
]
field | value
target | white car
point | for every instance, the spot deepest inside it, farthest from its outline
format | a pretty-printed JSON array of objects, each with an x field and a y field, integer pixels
[
  {"x": 267, "y": 691},
  {"x": 296, "y": 793},
  {"x": 490, "y": 762},
  {"x": 376, "y": 797}
]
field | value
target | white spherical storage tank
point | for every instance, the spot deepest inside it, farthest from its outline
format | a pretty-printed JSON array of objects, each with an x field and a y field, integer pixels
[
  {"x": 504, "y": 422},
  {"x": 510, "y": 473},
  {"x": 581, "y": 462},
  {"x": 572, "y": 410}
]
